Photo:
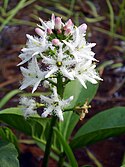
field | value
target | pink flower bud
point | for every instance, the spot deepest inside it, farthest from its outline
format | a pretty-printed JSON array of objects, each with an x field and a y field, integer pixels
[
  {"x": 53, "y": 17},
  {"x": 58, "y": 23},
  {"x": 83, "y": 28},
  {"x": 67, "y": 31},
  {"x": 55, "y": 42},
  {"x": 49, "y": 31},
  {"x": 59, "y": 31},
  {"x": 68, "y": 24},
  {"x": 39, "y": 31}
]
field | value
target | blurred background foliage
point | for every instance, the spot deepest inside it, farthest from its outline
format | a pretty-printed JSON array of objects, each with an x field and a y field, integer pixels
[
  {"x": 112, "y": 13},
  {"x": 105, "y": 16},
  {"x": 105, "y": 20}
]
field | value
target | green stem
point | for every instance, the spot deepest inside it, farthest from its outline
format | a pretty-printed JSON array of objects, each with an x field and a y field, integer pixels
[
  {"x": 60, "y": 87},
  {"x": 49, "y": 141},
  {"x": 53, "y": 123},
  {"x": 61, "y": 159},
  {"x": 67, "y": 148}
]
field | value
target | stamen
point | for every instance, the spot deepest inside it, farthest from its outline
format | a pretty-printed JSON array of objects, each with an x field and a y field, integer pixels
[
  {"x": 56, "y": 103},
  {"x": 59, "y": 63}
]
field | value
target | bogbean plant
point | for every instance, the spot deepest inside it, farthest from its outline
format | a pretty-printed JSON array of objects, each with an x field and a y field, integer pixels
[
  {"x": 58, "y": 55},
  {"x": 60, "y": 59}
]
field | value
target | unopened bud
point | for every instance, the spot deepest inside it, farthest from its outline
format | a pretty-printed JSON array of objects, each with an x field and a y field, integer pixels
[
  {"x": 53, "y": 17},
  {"x": 55, "y": 42},
  {"x": 67, "y": 31},
  {"x": 58, "y": 23},
  {"x": 39, "y": 31},
  {"x": 59, "y": 31},
  {"x": 49, "y": 31},
  {"x": 68, "y": 24},
  {"x": 83, "y": 28}
]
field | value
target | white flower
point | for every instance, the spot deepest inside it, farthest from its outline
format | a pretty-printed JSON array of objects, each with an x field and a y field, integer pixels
[
  {"x": 85, "y": 71},
  {"x": 54, "y": 105},
  {"x": 82, "y": 29},
  {"x": 63, "y": 51},
  {"x": 59, "y": 63},
  {"x": 34, "y": 47},
  {"x": 32, "y": 76},
  {"x": 28, "y": 106},
  {"x": 78, "y": 46},
  {"x": 48, "y": 25}
]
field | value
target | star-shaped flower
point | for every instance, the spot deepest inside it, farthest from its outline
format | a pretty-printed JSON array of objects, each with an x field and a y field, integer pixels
[
  {"x": 29, "y": 106},
  {"x": 32, "y": 76},
  {"x": 48, "y": 25},
  {"x": 54, "y": 105},
  {"x": 85, "y": 71},
  {"x": 78, "y": 46},
  {"x": 34, "y": 47},
  {"x": 60, "y": 62}
]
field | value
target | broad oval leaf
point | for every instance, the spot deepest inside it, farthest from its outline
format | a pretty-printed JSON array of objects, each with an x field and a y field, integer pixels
[
  {"x": 103, "y": 125},
  {"x": 34, "y": 126},
  {"x": 74, "y": 88},
  {"x": 8, "y": 155}
]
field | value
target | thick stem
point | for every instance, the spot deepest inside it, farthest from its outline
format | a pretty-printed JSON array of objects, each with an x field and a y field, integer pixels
[
  {"x": 48, "y": 144},
  {"x": 60, "y": 87},
  {"x": 60, "y": 90},
  {"x": 53, "y": 123}
]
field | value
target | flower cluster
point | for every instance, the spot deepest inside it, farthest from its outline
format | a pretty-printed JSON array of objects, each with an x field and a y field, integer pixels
[{"x": 60, "y": 49}]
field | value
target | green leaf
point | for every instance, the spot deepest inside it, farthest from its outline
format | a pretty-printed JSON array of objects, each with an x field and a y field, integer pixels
[
  {"x": 8, "y": 155},
  {"x": 93, "y": 158},
  {"x": 67, "y": 126},
  {"x": 93, "y": 8},
  {"x": 112, "y": 34},
  {"x": 8, "y": 97},
  {"x": 80, "y": 96},
  {"x": 34, "y": 126},
  {"x": 67, "y": 148},
  {"x": 14, "y": 118},
  {"x": 74, "y": 88},
  {"x": 103, "y": 125},
  {"x": 7, "y": 135},
  {"x": 112, "y": 24}
]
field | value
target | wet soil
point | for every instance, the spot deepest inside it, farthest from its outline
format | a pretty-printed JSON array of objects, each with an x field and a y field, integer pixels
[{"x": 110, "y": 93}]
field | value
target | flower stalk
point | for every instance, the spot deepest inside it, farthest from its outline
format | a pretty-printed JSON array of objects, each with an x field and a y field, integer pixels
[
  {"x": 60, "y": 86},
  {"x": 61, "y": 159},
  {"x": 52, "y": 124},
  {"x": 49, "y": 142}
]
